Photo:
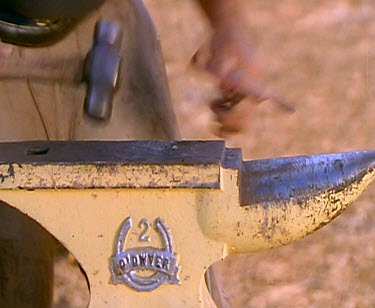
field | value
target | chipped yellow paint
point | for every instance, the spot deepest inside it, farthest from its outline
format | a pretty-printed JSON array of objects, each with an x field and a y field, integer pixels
[
  {"x": 252, "y": 228},
  {"x": 87, "y": 223},
  {"x": 31, "y": 176},
  {"x": 206, "y": 223}
]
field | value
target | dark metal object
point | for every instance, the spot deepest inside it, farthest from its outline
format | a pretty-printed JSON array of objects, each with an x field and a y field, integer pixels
[
  {"x": 41, "y": 22},
  {"x": 276, "y": 181},
  {"x": 34, "y": 34},
  {"x": 102, "y": 69},
  {"x": 116, "y": 158},
  {"x": 50, "y": 9},
  {"x": 151, "y": 152},
  {"x": 266, "y": 182}
]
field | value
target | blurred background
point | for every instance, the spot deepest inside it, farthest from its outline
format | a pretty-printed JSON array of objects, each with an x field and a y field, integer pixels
[{"x": 320, "y": 55}]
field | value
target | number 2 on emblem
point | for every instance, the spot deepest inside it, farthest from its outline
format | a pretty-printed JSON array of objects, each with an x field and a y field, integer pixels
[{"x": 145, "y": 226}]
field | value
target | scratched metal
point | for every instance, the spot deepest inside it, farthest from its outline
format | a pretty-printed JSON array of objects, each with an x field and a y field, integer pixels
[
  {"x": 289, "y": 198},
  {"x": 128, "y": 164},
  {"x": 267, "y": 182}
]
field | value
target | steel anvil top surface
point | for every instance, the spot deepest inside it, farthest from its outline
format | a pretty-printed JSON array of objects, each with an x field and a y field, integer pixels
[
  {"x": 113, "y": 152},
  {"x": 111, "y": 164},
  {"x": 259, "y": 181},
  {"x": 202, "y": 200}
]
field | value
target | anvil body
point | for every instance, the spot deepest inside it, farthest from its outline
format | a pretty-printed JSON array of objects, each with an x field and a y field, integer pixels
[{"x": 145, "y": 219}]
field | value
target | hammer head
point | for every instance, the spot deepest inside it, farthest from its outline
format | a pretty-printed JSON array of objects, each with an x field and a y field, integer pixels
[{"x": 101, "y": 70}]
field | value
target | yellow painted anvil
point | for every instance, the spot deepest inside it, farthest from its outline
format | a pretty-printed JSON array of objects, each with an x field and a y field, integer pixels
[{"x": 145, "y": 219}]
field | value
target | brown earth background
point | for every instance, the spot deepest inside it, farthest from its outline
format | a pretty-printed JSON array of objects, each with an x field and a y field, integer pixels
[{"x": 321, "y": 56}]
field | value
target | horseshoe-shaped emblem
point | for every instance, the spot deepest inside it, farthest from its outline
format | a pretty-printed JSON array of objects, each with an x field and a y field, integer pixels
[{"x": 126, "y": 263}]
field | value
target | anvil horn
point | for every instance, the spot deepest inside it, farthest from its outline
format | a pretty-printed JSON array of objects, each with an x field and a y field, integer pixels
[{"x": 282, "y": 200}]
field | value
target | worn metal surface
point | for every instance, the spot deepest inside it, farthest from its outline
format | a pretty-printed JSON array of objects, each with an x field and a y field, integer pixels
[
  {"x": 245, "y": 212},
  {"x": 102, "y": 67},
  {"x": 113, "y": 152},
  {"x": 273, "y": 181},
  {"x": 51, "y": 165},
  {"x": 308, "y": 190}
]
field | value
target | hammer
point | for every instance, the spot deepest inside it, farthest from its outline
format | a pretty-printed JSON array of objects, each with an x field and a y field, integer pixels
[{"x": 99, "y": 69}]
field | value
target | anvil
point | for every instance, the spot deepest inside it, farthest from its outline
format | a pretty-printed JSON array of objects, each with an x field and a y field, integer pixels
[{"x": 145, "y": 219}]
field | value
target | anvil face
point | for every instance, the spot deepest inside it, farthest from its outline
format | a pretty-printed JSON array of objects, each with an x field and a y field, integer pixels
[{"x": 145, "y": 219}]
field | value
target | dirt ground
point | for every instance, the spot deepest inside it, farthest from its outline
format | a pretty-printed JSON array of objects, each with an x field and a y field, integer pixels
[{"x": 321, "y": 56}]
